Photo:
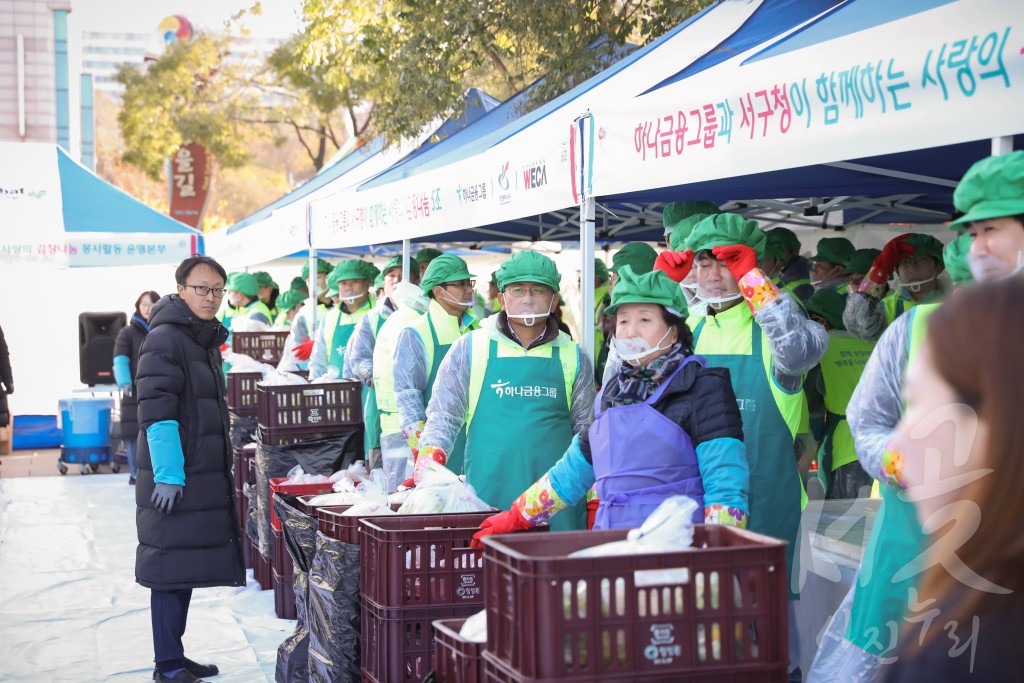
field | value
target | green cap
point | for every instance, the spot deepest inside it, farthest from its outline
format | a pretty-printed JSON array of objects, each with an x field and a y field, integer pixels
[
  {"x": 529, "y": 266},
  {"x": 378, "y": 282},
  {"x": 726, "y": 229},
  {"x": 444, "y": 268},
  {"x": 354, "y": 269},
  {"x": 494, "y": 278},
  {"x": 299, "y": 284},
  {"x": 925, "y": 245},
  {"x": 263, "y": 279},
  {"x": 427, "y": 255},
  {"x": 600, "y": 271},
  {"x": 829, "y": 304},
  {"x": 653, "y": 287},
  {"x": 675, "y": 212},
  {"x": 393, "y": 262},
  {"x": 991, "y": 188},
  {"x": 322, "y": 266},
  {"x": 639, "y": 256},
  {"x": 774, "y": 245},
  {"x": 955, "y": 259},
  {"x": 244, "y": 283},
  {"x": 289, "y": 300},
  {"x": 837, "y": 250},
  {"x": 787, "y": 238},
  {"x": 861, "y": 261}
]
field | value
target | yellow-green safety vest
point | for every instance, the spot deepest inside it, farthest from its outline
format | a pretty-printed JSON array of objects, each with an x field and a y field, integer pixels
[{"x": 384, "y": 367}]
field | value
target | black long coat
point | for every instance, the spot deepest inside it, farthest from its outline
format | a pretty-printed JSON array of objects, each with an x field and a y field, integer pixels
[
  {"x": 6, "y": 378},
  {"x": 180, "y": 378},
  {"x": 129, "y": 343}
]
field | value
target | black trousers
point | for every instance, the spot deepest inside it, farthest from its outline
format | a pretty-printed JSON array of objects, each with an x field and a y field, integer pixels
[{"x": 170, "y": 612}]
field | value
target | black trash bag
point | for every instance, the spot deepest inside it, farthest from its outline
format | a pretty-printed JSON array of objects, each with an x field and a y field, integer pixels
[
  {"x": 298, "y": 529},
  {"x": 333, "y": 613},
  {"x": 243, "y": 430},
  {"x": 318, "y": 456},
  {"x": 251, "y": 514},
  {"x": 293, "y": 653}
]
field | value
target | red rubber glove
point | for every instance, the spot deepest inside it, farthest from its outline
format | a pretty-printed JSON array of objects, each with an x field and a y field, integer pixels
[
  {"x": 738, "y": 258},
  {"x": 225, "y": 347},
  {"x": 885, "y": 264},
  {"x": 675, "y": 264},
  {"x": 505, "y": 522},
  {"x": 304, "y": 350},
  {"x": 592, "y": 506},
  {"x": 426, "y": 453}
]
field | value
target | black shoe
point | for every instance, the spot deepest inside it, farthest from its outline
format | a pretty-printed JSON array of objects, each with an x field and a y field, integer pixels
[
  {"x": 183, "y": 676},
  {"x": 131, "y": 481},
  {"x": 194, "y": 669}
]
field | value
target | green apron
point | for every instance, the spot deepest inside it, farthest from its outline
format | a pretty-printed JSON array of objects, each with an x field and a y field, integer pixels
[
  {"x": 519, "y": 426},
  {"x": 456, "y": 459},
  {"x": 841, "y": 369},
  {"x": 371, "y": 416},
  {"x": 896, "y": 541},
  {"x": 384, "y": 367},
  {"x": 342, "y": 325},
  {"x": 775, "y": 490}
]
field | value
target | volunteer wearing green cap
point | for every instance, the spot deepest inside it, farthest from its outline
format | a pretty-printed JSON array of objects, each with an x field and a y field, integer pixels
[
  {"x": 954, "y": 256},
  {"x": 268, "y": 291},
  {"x": 424, "y": 257},
  {"x": 228, "y": 310},
  {"x": 493, "y": 305},
  {"x": 243, "y": 293},
  {"x": 521, "y": 389},
  {"x": 859, "y": 265},
  {"x": 763, "y": 337},
  {"x": 679, "y": 219},
  {"x": 350, "y": 280},
  {"x": 640, "y": 257},
  {"x": 828, "y": 266},
  {"x": 991, "y": 198},
  {"x": 289, "y": 305},
  {"x": 834, "y": 380},
  {"x": 916, "y": 260},
  {"x": 790, "y": 271},
  {"x": 665, "y": 425},
  {"x": 360, "y": 352},
  {"x": 323, "y": 269},
  {"x": 423, "y": 345}
]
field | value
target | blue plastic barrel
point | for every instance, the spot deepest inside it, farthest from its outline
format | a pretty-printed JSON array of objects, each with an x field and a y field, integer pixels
[{"x": 85, "y": 422}]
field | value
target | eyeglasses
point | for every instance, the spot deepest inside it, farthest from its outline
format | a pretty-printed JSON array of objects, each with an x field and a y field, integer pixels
[
  {"x": 459, "y": 283},
  {"x": 203, "y": 290},
  {"x": 520, "y": 292}
]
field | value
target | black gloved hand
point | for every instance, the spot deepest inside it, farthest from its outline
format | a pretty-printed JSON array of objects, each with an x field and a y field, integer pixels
[{"x": 166, "y": 496}]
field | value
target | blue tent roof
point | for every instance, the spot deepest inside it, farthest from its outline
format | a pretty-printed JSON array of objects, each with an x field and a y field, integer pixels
[
  {"x": 91, "y": 204},
  {"x": 477, "y": 104}
]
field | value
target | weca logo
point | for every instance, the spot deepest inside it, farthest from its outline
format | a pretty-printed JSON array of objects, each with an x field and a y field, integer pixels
[
  {"x": 503, "y": 177},
  {"x": 535, "y": 176}
]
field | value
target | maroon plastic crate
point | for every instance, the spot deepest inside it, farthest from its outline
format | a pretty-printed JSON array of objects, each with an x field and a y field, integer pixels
[
  {"x": 456, "y": 660},
  {"x": 324, "y": 407},
  {"x": 284, "y": 596},
  {"x": 278, "y": 485},
  {"x": 242, "y": 395},
  {"x": 280, "y": 559},
  {"x": 333, "y": 524},
  {"x": 719, "y": 608},
  {"x": 261, "y": 570},
  {"x": 398, "y": 644},
  {"x": 421, "y": 560},
  {"x": 266, "y": 347}
]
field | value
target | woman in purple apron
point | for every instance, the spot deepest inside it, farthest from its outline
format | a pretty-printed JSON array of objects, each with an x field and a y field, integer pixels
[{"x": 665, "y": 425}]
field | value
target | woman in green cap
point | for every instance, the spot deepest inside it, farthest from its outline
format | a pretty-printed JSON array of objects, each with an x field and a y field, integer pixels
[
  {"x": 916, "y": 261},
  {"x": 828, "y": 266},
  {"x": 268, "y": 291},
  {"x": 359, "y": 354},
  {"x": 289, "y": 305},
  {"x": 665, "y": 425},
  {"x": 834, "y": 380},
  {"x": 423, "y": 345},
  {"x": 243, "y": 294},
  {"x": 521, "y": 389},
  {"x": 350, "y": 282},
  {"x": 857, "y": 643}
]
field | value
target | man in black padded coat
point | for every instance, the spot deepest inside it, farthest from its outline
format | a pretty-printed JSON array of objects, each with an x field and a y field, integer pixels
[{"x": 188, "y": 532}]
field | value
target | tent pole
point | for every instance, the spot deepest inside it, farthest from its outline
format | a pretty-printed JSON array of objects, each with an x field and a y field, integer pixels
[
  {"x": 405, "y": 260},
  {"x": 313, "y": 275},
  {"x": 587, "y": 275},
  {"x": 1002, "y": 145}
]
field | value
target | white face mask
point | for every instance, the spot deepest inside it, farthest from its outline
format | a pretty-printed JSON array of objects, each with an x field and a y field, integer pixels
[
  {"x": 915, "y": 286},
  {"x": 529, "y": 319},
  {"x": 988, "y": 268},
  {"x": 352, "y": 299},
  {"x": 831, "y": 274},
  {"x": 716, "y": 302},
  {"x": 448, "y": 297},
  {"x": 632, "y": 349}
]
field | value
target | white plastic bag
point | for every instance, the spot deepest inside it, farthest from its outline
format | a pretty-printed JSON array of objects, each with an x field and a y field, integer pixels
[
  {"x": 374, "y": 498},
  {"x": 474, "y": 629},
  {"x": 298, "y": 476},
  {"x": 239, "y": 362},
  {"x": 356, "y": 472},
  {"x": 272, "y": 377},
  {"x": 668, "y": 529},
  {"x": 438, "y": 489},
  {"x": 240, "y": 324}
]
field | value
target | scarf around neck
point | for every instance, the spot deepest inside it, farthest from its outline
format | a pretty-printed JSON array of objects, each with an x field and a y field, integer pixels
[{"x": 636, "y": 384}]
